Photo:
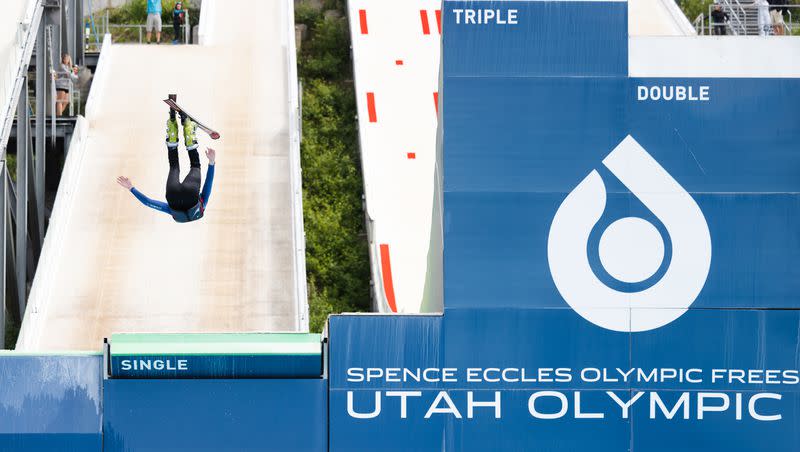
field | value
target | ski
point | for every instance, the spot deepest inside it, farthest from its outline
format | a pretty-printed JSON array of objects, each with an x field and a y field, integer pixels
[{"x": 174, "y": 105}]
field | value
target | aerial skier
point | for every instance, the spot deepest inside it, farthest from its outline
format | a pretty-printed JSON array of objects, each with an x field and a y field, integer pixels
[{"x": 185, "y": 201}]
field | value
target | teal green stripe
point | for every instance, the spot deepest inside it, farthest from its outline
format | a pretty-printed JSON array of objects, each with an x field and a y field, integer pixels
[
  {"x": 13, "y": 353},
  {"x": 213, "y": 354},
  {"x": 216, "y": 337},
  {"x": 212, "y": 349},
  {"x": 216, "y": 344}
]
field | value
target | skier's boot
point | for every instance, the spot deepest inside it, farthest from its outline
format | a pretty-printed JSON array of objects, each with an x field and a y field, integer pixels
[
  {"x": 172, "y": 131},
  {"x": 189, "y": 133}
]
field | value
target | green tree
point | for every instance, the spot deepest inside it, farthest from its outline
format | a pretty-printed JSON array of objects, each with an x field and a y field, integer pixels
[
  {"x": 693, "y": 8},
  {"x": 337, "y": 257}
]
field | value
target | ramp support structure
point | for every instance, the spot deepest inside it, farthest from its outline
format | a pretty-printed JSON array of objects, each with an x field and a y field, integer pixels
[
  {"x": 23, "y": 147},
  {"x": 41, "y": 102},
  {"x": 53, "y": 27}
]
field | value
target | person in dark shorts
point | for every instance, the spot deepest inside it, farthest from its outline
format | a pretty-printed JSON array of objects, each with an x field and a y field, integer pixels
[
  {"x": 185, "y": 201},
  {"x": 68, "y": 75}
]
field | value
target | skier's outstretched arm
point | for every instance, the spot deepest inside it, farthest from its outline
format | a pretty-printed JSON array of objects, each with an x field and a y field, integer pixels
[
  {"x": 151, "y": 203},
  {"x": 206, "y": 193}
]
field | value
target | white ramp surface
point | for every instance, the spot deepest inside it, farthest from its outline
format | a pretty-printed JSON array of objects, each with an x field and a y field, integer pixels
[
  {"x": 112, "y": 265},
  {"x": 396, "y": 48},
  {"x": 657, "y": 18}
]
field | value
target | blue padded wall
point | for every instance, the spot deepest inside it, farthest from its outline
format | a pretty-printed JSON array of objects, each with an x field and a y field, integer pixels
[
  {"x": 51, "y": 403},
  {"x": 215, "y": 415},
  {"x": 700, "y": 353}
]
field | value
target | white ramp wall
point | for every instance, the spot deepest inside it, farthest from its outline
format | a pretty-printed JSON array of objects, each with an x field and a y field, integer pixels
[
  {"x": 18, "y": 18},
  {"x": 657, "y": 18},
  {"x": 396, "y": 48},
  {"x": 112, "y": 265}
]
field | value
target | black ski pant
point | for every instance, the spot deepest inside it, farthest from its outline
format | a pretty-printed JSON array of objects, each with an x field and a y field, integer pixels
[
  {"x": 184, "y": 195},
  {"x": 176, "y": 27}
]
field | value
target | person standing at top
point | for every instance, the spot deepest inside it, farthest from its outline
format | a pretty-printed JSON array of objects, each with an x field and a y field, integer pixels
[
  {"x": 178, "y": 18},
  {"x": 67, "y": 76},
  {"x": 718, "y": 19},
  {"x": 764, "y": 19},
  {"x": 154, "y": 20},
  {"x": 776, "y": 14}
]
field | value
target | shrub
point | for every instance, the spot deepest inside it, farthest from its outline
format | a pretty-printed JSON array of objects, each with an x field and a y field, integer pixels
[
  {"x": 135, "y": 12},
  {"x": 693, "y": 8},
  {"x": 337, "y": 257}
]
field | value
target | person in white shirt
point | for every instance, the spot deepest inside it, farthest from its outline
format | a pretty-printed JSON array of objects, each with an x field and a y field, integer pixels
[
  {"x": 776, "y": 14},
  {"x": 764, "y": 20}
]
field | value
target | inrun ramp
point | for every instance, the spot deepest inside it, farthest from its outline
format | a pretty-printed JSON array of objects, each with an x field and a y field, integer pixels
[
  {"x": 111, "y": 265},
  {"x": 396, "y": 51}
]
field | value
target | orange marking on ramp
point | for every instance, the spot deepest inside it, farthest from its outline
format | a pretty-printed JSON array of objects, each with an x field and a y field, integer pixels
[
  {"x": 373, "y": 114},
  {"x": 362, "y": 18},
  {"x": 423, "y": 15},
  {"x": 386, "y": 271}
]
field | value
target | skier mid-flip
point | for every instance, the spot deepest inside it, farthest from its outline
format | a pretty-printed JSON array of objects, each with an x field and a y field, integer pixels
[{"x": 185, "y": 201}]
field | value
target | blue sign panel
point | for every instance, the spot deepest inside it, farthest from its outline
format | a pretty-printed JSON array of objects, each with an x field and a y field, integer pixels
[
  {"x": 51, "y": 403},
  {"x": 216, "y": 366},
  {"x": 720, "y": 429},
  {"x": 216, "y": 355},
  {"x": 558, "y": 38},
  {"x": 215, "y": 415},
  {"x": 510, "y": 163},
  {"x": 394, "y": 342}
]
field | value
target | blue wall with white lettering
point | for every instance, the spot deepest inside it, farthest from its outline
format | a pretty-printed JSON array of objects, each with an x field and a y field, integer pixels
[
  {"x": 530, "y": 111},
  {"x": 62, "y": 404},
  {"x": 511, "y": 158},
  {"x": 549, "y": 38},
  {"x": 560, "y": 332}
]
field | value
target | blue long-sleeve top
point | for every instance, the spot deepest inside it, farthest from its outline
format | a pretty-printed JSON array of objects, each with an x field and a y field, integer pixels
[{"x": 161, "y": 206}]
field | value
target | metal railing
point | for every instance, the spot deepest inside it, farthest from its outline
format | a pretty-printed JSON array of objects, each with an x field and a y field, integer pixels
[
  {"x": 739, "y": 14},
  {"x": 699, "y": 24},
  {"x": 119, "y": 34},
  {"x": 790, "y": 26},
  {"x": 743, "y": 20},
  {"x": 131, "y": 33},
  {"x": 73, "y": 94},
  {"x": 295, "y": 108}
]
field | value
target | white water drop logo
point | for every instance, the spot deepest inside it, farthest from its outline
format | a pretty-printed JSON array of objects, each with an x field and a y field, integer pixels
[{"x": 631, "y": 248}]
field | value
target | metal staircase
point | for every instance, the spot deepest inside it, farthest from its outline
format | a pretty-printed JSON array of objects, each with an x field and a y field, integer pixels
[{"x": 743, "y": 16}]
